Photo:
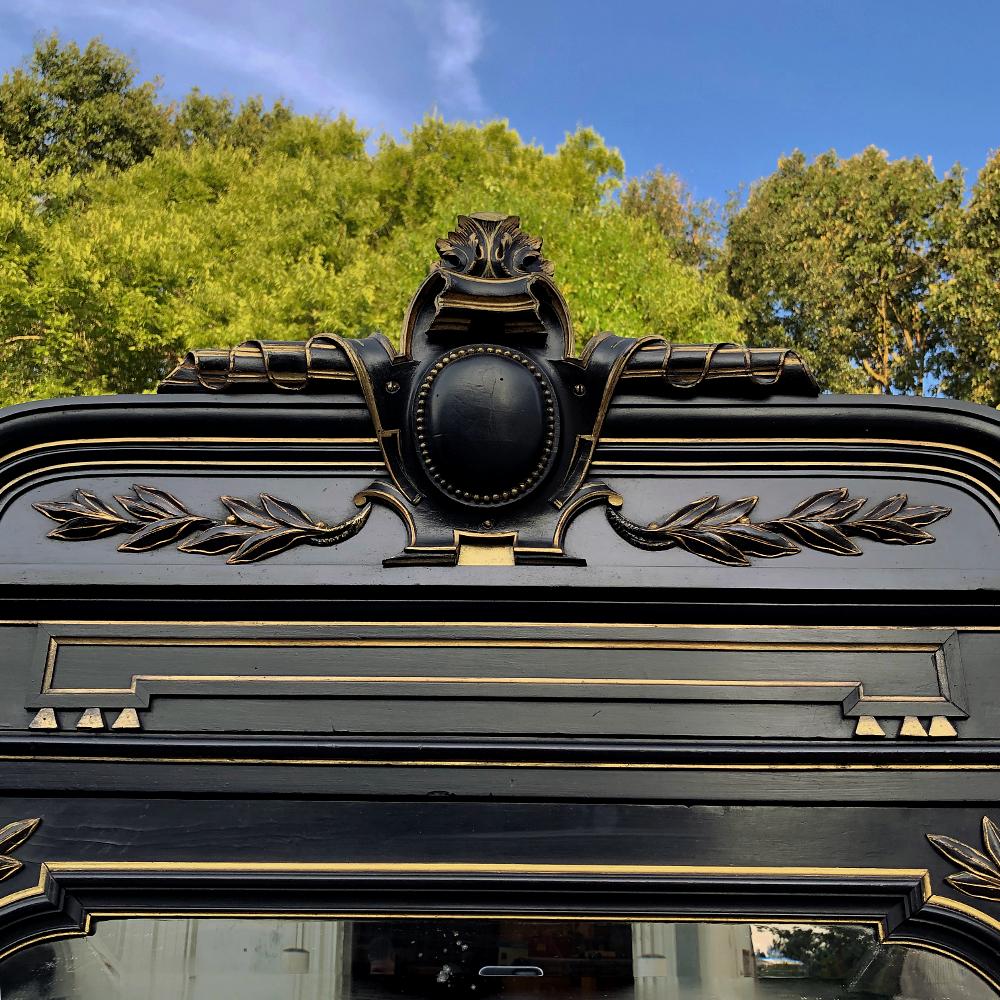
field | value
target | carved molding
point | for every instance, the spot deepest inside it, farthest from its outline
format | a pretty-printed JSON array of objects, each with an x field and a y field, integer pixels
[
  {"x": 154, "y": 518},
  {"x": 725, "y": 534},
  {"x": 980, "y": 876},
  {"x": 12, "y": 836}
]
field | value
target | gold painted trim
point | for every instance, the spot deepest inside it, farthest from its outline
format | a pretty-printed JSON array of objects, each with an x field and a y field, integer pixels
[
  {"x": 47, "y": 686},
  {"x": 965, "y": 908},
  {"x": 498, "y": 764},
  {"x": 170, "y": 439},
  {"x": 185, "y": 463},
  {"x": 374, "y": 491},
  {"x": 569, "y": 513},
  {"x": 895, "y": 442}
]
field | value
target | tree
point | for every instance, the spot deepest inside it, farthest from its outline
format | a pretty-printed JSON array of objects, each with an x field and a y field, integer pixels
[
  {"x": 72, "y": 110},
  {"x": 828, "y": 952},
  {"x": 972, "y": 296},
  {"x": 201, "y": 118},
  {"x": 29, "y": 206},
  {"x": 306, "y": 232},
  {"x": 845, "y": 259},
  {"x": 690, "y": 228}
]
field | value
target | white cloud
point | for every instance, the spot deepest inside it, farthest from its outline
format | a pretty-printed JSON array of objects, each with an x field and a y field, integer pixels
[
  {"x": 294, "y": 74},
  {"x": 356, "y": 56},
  {"x": 454, "y": 49}
]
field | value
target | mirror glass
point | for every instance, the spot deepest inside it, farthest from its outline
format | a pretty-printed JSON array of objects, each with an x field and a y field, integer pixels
[{"x": 446, "y": 959}]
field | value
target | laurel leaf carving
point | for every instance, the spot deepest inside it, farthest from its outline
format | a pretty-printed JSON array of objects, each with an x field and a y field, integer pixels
[
  {"x": 12, "y": 836},
  {"x": 980, "y": 875},
  {"x": 823, "y": 522},
  {"x": 251, "y": 531}
]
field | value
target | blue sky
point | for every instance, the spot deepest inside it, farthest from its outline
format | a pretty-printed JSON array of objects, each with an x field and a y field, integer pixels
[{"x": 715, "y": 90}]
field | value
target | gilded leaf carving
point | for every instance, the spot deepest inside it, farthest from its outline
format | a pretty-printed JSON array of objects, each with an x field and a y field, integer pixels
[
  {"x": 725, "y": 533},
  {"x": 980, "y": 875},
  {"x": 12, "y": 836},
  {"x": 153, "y": 518}
]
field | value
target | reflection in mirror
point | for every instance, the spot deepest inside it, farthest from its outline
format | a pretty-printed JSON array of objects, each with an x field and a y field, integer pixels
[{"x": 284, "y": 959}]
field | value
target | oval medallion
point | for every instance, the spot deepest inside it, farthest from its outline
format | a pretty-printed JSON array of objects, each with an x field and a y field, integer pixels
[{"x": 486, "y": 422}]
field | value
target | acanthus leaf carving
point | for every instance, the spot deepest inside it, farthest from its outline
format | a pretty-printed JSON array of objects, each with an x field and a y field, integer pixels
[{"x": 487, "y": 245}]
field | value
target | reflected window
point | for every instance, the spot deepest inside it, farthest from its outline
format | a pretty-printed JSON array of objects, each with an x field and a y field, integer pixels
[{"x": 445, "y": 959}]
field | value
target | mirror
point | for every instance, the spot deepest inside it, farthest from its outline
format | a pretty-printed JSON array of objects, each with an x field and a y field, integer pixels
[{"x": 202, "y": 958}]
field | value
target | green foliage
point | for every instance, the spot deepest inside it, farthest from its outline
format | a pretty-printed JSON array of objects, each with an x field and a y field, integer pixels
[
  {"x": 690, "y": 228},
  {"x": 214, "y": 239},
  {"x": 972, "y": 295},
  {"x": 828, "y": 952},
  {"x": 131, "y": 232},
  {"x": 72, "y": 110},
  {"x": 846, "y": 260}
]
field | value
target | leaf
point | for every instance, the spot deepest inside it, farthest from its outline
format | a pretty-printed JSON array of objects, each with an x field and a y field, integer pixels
[
  {"x": 690, "y": 514},
  {"x": 60, "y": 511},
  {"x": 730, "y": 513},
  {"x": 140, "y": 510},
  {"x": 160, "y": 499},
  {"x": 13, "y": 835},
  {"x": 753, "y": 540},
  {"x": 888, "y": 508},
  {"x": 221, "y": 538},
  {"x": 160, "y": 533},
  {"x": 93, "y": 502},
  {"x": 8, "y": 866},
  {"x": 841, "y": 511},
  {"x": 991, "y": 839},
  {"x": 819, "y": 502},
  {"x": 709, "y": 545},
  {"x": 976, "y": 885},
  {"x": 922, "y": 516},
  {"x": 82, "y": 529},
  {"x": 267, "y": 543},
  {"x": 247, "y": 513},
  {"x": 816, "y": 535},
  {"x": 891, "y": 531},
  {"x": 286, "y": 513},
  {"x": 964, "y": 856}
]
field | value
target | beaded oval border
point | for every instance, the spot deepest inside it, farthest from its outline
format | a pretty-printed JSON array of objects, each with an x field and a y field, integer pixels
[{"x": 548, "y": 401}]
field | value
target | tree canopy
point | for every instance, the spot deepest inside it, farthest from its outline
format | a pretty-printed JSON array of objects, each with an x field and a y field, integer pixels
[
  {"x": 846, "y": 259},
  {"x": 133, "y": 230},
  {"x": 71, "y": 109}
]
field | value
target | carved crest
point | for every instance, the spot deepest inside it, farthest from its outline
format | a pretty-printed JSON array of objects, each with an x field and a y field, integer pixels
[{"x": 487, "y": 245}]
